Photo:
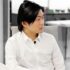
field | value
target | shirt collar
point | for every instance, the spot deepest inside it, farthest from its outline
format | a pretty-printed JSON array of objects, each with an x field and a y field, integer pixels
[{"x": 26, "y": 38}]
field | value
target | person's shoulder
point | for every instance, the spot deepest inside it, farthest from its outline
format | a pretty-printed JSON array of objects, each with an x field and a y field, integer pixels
[
  {"x": 48, "y": 36},
  {"x": 45, "y": 34},
  {"x": 11, "y": 43},
  {"x": 14, "y": 37}
]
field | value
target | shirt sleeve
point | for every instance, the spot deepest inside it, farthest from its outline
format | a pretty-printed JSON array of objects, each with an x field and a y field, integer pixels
[
  {"x": 10, "y": 57},
  {"x": 58, "y": 60}
]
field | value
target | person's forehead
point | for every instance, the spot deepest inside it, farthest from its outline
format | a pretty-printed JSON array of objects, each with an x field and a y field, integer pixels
[{"x": 41, "y": 13}]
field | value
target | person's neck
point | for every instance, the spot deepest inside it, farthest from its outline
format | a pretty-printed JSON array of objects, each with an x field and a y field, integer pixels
[{"x": 30, "y": 34}]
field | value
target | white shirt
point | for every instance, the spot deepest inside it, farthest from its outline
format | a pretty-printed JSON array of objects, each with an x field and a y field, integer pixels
[{"x": 23, "y": 54}]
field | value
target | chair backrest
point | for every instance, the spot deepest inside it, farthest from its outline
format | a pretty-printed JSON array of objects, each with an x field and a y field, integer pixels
[
  {"x": 57, "y": 32},
  {"x": 14, "y": 29},
  {"x": 68, "y": 44}
]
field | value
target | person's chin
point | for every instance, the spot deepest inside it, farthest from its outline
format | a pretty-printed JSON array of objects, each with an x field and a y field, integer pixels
[{"x": 41, "y": 31}]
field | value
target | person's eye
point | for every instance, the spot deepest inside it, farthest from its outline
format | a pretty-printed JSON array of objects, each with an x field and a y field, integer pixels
[{"x": 38, "y": 19}]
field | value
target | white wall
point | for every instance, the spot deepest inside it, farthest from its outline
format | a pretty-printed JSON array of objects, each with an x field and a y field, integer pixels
[
  {"x": 59, "y": 4},
  {"x": 16, "y": 4},
  {"x": 1, "y": 30}
]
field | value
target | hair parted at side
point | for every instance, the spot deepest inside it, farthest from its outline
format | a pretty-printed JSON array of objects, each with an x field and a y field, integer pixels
[{"x": 28, "y": 12}]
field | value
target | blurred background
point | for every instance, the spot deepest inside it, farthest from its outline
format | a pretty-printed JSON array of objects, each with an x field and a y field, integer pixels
[{"x": 57, "y": 22}]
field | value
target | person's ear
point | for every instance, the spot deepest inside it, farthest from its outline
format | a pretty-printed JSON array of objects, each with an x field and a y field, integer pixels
[{"x": 24, "y": 24}]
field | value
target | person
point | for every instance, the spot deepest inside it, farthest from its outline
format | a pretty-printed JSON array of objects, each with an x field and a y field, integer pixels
[{"x": 31, "y": 48}]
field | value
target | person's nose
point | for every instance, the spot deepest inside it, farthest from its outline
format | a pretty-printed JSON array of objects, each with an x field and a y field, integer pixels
[{"x": 42, "y": 22}]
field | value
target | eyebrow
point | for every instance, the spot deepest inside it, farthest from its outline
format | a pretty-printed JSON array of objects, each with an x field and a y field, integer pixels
[{"x": 40, "y": 16}]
